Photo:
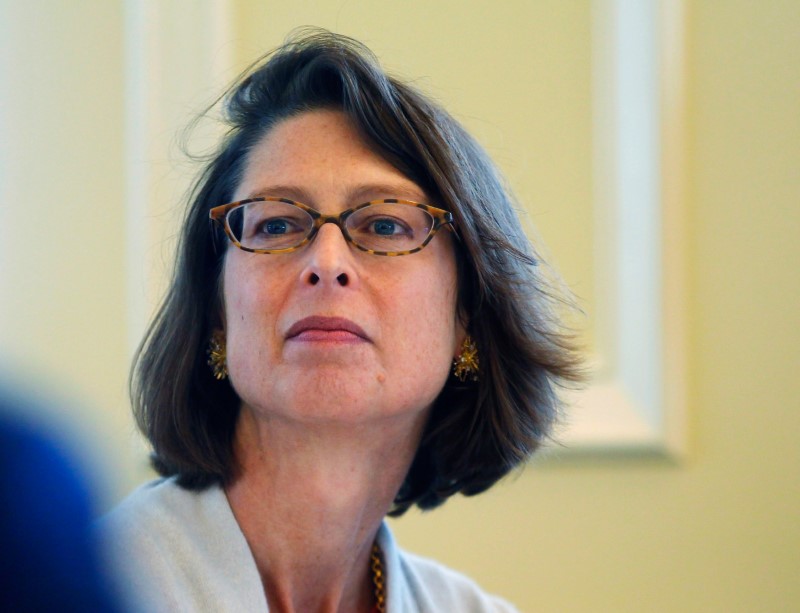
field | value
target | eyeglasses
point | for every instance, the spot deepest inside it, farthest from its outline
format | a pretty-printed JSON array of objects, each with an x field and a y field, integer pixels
[{"x": 380, "y": 227}]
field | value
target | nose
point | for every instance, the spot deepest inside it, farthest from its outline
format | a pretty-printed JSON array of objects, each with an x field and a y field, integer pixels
[{"x": 329, "y": 259}]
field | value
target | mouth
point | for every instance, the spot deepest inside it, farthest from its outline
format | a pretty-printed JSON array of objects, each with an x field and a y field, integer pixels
[{"x": 327, "y": 329}]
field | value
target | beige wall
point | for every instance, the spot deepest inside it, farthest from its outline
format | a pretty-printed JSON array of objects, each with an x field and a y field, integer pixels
[{"x": 717, "y": 531}]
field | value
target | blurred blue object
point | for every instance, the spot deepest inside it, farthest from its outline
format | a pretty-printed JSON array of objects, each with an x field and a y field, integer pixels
[{"x": 49, "y": 561}]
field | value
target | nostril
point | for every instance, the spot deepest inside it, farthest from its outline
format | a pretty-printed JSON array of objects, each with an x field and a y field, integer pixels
[
  {"x": 342, "y": 279},
  {"x": 313, "y": 278}
]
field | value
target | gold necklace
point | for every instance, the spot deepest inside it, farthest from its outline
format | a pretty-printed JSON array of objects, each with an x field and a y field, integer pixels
[{"x": 377, "y": 579}]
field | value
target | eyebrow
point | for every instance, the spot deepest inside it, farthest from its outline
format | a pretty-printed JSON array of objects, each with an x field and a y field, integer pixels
[
  {"x": 374, "y": 191},
  {"x": 279, "y": 191},
  {"x": 355, "y": 196}
]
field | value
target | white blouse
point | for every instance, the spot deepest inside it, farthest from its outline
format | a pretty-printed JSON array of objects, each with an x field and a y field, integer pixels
[{"x": 180, "y": 550}]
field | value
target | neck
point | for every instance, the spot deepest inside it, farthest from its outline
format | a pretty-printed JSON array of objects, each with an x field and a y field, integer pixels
[{"x": 310, "y": 499}]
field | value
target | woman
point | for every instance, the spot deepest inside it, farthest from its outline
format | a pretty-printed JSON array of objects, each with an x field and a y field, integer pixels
[{"x": 361, "y": 328}]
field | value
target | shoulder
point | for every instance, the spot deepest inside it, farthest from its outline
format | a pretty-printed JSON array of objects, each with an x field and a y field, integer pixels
[
  {"x": 448, "y": 589},
  {"x": 160, "y": 506},
  {"x": 424, "y": 585},
  {"x": 181, "y": 548},
  {"x": 159, "y": 515}
]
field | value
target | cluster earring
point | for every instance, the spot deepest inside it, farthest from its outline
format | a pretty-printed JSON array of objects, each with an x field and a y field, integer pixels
[
  {"x": 217, "y": 358},
  {"x": 466, "y": 365}
]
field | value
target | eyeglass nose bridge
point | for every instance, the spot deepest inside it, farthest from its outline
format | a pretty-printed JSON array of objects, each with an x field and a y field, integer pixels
[{"x": 337, "y": 220}]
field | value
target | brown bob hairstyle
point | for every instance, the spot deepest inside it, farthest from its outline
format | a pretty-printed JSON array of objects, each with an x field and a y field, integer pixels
[{"x": 477, "y": 432}]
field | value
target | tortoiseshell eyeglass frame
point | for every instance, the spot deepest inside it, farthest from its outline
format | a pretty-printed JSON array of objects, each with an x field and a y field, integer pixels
[{"x": 441, "y": 218}]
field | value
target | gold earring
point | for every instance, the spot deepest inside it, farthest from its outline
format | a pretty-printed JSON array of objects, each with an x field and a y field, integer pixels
[
  {"x": 466, "y": 365},
  {"x": 217, "y": 355}
]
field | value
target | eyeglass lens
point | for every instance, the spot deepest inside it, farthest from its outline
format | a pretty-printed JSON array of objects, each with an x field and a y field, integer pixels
[{"x": 379, "y": 227}]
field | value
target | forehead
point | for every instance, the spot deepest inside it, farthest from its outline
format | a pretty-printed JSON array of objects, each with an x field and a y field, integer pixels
[{"x": 320, "y": 155}]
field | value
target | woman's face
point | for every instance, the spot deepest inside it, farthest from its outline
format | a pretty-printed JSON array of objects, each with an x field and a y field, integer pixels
[{"x": 329, "y": 332}]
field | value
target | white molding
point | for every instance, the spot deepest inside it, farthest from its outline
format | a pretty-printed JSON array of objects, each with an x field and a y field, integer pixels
[
  {"x": 636, "y": 400},
  {"x": 178, "y": 57}
]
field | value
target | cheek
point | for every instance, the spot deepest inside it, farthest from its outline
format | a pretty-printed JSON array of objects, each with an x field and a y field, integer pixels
[
  {"x": 249, "y": 313},
  {"x": 234, "y": 294},
  {"x": 426, "y": 334},
  {"x": 248, "y": 287}
]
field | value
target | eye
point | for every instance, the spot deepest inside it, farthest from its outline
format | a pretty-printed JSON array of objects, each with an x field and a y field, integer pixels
[
  {"x": 269, "y": 224},
  {"x": 385, "y": 226},
  {"x": 275, "y": 226},
  {"x": 389, "y": 226}
]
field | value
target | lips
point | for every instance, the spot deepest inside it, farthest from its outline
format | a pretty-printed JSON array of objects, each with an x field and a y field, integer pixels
[{"x": 319, "y": 328}]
